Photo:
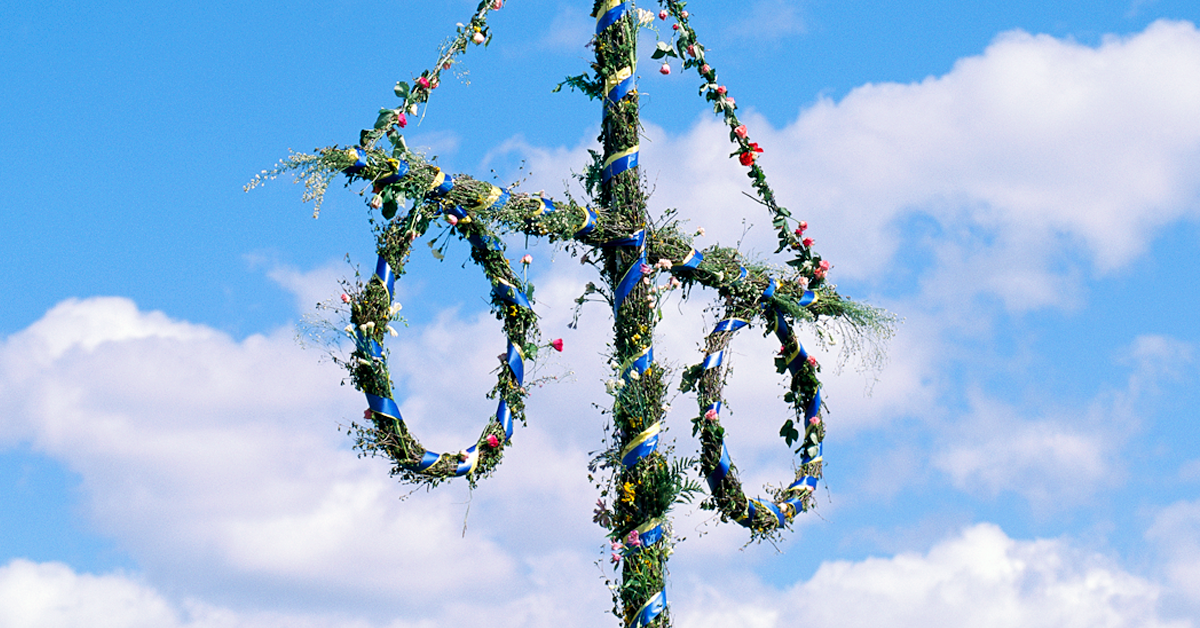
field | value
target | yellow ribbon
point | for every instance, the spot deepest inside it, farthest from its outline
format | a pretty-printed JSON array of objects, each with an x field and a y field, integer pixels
[
  {"x": 612, "y": 81},
  {"x": 625, "y": 153},
  {"x": 649, "y": 433},
  {"x": 438, "y": 179}
]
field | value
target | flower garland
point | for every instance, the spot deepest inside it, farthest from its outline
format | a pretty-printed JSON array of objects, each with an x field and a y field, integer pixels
[{"x": 631, "y": 253}]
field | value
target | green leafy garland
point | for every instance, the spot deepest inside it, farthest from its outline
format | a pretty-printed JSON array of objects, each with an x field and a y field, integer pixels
[{"x": 642, "y": 489}]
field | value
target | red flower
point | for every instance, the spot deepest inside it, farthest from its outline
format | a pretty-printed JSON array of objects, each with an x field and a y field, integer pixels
[
  {"x": 401, "y": 119},
  {"x": 557, "y": 344},
  {"x": 747, "y": 158},
  {"x": 807, "y": 241},
  {"x": 492, "y": 441},
  {"x": 423, "y": 82}
]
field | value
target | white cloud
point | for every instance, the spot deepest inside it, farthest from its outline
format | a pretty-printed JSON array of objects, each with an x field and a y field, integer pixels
[
  {"x": 1175, "y": 531},
  {"x": 979, "y": 578},
  {"x": 1040, "y": 162}
]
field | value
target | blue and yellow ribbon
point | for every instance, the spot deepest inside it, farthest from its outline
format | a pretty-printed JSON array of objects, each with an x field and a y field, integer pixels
[
  {"x": 619, "y": 162},
  {"x": 651, "y": 609},
  {"x": 692, "y": 260},
  {"x": 642, "y": 445},
  {"x": 609, "y": 12}
]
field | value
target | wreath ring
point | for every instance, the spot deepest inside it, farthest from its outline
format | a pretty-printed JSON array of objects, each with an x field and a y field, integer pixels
[
  {"x": 372, "y": 308},
  {"x": 758, "y": 514}
]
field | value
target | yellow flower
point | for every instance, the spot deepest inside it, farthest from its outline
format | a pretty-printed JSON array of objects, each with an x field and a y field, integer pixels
[{"x": 627, "y": 493}]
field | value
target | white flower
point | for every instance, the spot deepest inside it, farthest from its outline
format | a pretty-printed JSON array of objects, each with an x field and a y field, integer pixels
[
  {"x": 645, "y": 17},
  {"x": 396, "y": 307},
  {"x": 392, "y": 331}
]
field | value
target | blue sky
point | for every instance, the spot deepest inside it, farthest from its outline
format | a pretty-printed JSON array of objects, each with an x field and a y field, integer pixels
[{"x": 1018, "y": 181}]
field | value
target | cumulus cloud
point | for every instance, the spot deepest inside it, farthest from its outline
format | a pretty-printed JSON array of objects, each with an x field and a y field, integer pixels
[
  {"x": 1036, "y": 164},
  {"x": 225, "y": 456},
  {"x": 981, "y": 577}
]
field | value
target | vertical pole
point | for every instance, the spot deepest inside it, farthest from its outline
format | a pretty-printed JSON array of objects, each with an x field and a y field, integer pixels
[{"x": 638, "y": 509}]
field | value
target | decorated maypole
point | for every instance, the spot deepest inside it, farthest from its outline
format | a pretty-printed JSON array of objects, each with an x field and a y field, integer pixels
[
  {"x": 642, "y": 470},
  {"x": 639, "y": 260}
]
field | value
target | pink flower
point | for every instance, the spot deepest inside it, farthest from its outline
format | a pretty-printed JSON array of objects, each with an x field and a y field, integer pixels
[
  {"x": 665, "y": 69},
  {"x": 803, "y": 283},
  {"x": 711, "y": 415},
  {"x": 367, "y": 414},
  {"x": 557, "y": 343},
  {"x": 740, "y": 131},
  {"x": 633, "y": 540},
  {"x": 478, "y": 38},
  {"x": 492, "y": 441},
  {"x": 815, "y": 421},
  {"x": 345, "y": 298},
  {"x": 825, "y": 265},
  {"x": 730, "y": 101},
  {"x": 527, "y": 260},
  {"x": 704, "y": 69},
  {"x": 463, "y": 455},
  {"x": 423, "y": 82},
  {"x": 376, "y": 201},
  {"x": 663, "y": 263},
  {"x": 401, "y": 120},
  {"x": 446, "y": 65},
  {"x": 800, "y": 229},
  {"x": 721, "y": 90},
  {"x": 662, "y": 15},
  {"x": 616, "y": 546},
  {"x": 616, "y": 558},
  {"x": 812, "y": 360},
  {"x": 807, "y": 241},
  {"x": 691, "y": 50},
  {"x": 674, "y": 283},
  {"x": 497, "y": 5},
  {"x": 452, "y": 219},
  {"x": 684, "y": 15},
  {"x": 819, "y": 273}
]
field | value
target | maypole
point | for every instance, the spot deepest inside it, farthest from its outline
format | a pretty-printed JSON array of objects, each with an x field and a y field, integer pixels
[{"x": 640, "y": 261}]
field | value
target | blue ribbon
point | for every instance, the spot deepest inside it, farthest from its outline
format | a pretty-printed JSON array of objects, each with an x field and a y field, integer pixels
[
  {"x": 509, "y": 293},
  {"x": 718, "y": 474},
  {"x": 641, "y": 446},
  {"x": 619, "y": 165},
  {"x": 504, "y": 418},
  {"x": 610, "y": 17},
  {"x": 651, "y": 609},
  {"x": 401, "y": 170},
  {"x": 589, "y": 222},
  {"x": 383, "y": 272},
  {"x": 441, "y": 185},
  {"x": 360, "y": 162},
  {"x": 637, "y": 238},
  {"x": 713, "y": 360},
  {"x": 770, "y": 291},
  {"x": 621, "y": 90},
  {"x": 692, "y": 260},
  {"x": 516, "y": 361},
  {"x": 633, "y": 274},
  {"x": 650, "y": 533},
  {"x": 730, "y": 324},
  {"x": 639, "y": 363},
  {"x": 384, "y": 406}
]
